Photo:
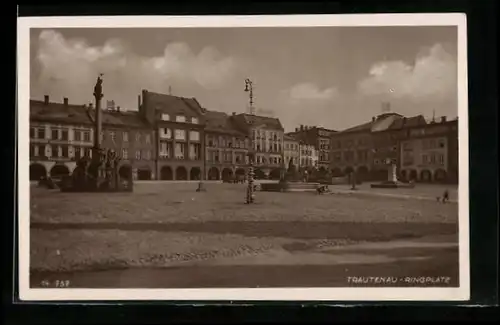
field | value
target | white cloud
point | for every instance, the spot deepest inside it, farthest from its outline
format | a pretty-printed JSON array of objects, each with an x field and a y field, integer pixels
[
  {"x": 434, "y": 74},
  {"x": 309, "y": 91},
  {"x": 69, "y": 68}
]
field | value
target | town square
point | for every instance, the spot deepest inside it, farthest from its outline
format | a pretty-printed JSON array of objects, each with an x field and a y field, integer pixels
[{"x": 195, "y": 170}]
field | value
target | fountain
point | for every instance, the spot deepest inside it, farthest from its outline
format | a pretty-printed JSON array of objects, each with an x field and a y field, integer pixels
[
  {"x": 291, "y": 181},
  {"x": 98, "y": 173}
]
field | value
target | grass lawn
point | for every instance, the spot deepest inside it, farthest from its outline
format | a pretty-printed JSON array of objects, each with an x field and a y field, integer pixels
[{"x": 161, "y": 222}]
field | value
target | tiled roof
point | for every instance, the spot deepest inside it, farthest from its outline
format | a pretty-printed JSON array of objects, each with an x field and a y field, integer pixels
[
  {"x": 361, "y": 127},
  {"x": 58, "y": 112},
  {"x": 408, "y": 122},
  {"x": 288, "y": 137},
  {"x": 130, "y": 119},
  {"x": 172, "y": 104},
  {"x": 381, "y": 123},
  {"x": 220, "y": 122},
  {"x": 262, "y": 121}
]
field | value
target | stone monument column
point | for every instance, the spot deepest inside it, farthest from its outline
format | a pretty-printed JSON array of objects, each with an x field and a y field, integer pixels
[{"x": 392, "y": 177}]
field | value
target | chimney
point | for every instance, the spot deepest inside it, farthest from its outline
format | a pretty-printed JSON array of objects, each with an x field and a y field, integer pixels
[
  {"x": 373, "y": 119},
  {"x": 302, "y": 127},
  {"x": 91, "y": 106},
  {"x": 46, "y": 99},
  {"x": 139, "y": 102},
  {"x": 443, "y": 119},
  {"x": 296, "y": 129},
  {"x": 118, "y": 109},
  {"x": 234, "y": 113},
  {"x": 65, "y": 101}
]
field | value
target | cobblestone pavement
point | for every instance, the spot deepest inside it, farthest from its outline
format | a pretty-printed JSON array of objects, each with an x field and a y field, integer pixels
[{"x": 166, "y": 228}]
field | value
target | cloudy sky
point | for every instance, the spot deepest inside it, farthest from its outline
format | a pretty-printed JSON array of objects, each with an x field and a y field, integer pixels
[{"x": 334, "y": 77}]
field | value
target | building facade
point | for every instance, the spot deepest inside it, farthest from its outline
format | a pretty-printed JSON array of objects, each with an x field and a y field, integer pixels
[
  {"x": 430, "y": 153},
  {"x": 320, "y": 138},
  {"x": 267, "y": 135},
  {"x": 226, "y": 149},
  {"x": 133, "y": 139},
  {"x": 60, "y": 133},
  {"x": 308, "y": 157},
  {"x": 179, "y": 125},
  {"x": 291, "y": 151}
]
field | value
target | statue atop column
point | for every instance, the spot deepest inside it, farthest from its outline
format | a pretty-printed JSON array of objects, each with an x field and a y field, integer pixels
[{"x": 98, "y": 88}]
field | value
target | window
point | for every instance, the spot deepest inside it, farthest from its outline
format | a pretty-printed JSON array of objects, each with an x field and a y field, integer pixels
[
  {"x": 179, "y": 150},
  {"x": 86, "y": 136},
  {"x": 55, "y": 134},
  {"x": 441, "y": 143},
  {"x": 54, "y": 151},
  {"x": 65, "y": 151},
  {"x": 165, "y": 117},
  {"x": 433, "y": 159},
  {"x": 112, "y": 135},
  {"x": 180, "y": 118},
  {"x": 424, "y": 159},
  {"x": 165, "y": 149},
  {"x": 148, "y": 139},
  {"x": 138, "y": 137},
  {"x": 40, "y": 133},
  {"x": 64, "y": 135},
  {"x": 148, "y": 154},
  {"x": 194, "y": 151},
  {"x": 138, "y": 154},
  {"x": 194, "y": 120},
  {"x": 166, "y": 133},
  {"x": 441, "y": 159},
  {"x": 194, "y": 135},
  {"x": 78, "y": 152},
  {"x": 78, "y": 135},
  {"x": 32, "y": 132},
  {"x": 180, "y": 134},
  {"x": 124, "y": 154},
  {"x": 125, "y": 136}
]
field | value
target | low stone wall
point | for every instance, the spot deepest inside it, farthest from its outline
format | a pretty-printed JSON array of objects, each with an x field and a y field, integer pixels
[{"x": 289, "y": 187}]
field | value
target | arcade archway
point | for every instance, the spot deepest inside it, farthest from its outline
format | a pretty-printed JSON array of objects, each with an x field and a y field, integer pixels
[
  {"x": 213, "y": 174},
  {"x": 181, "y": 173},
  {"x": 195, "y": 174},
  {"x": 37, "y": 171},
  {"x": 166, "y": 173}
]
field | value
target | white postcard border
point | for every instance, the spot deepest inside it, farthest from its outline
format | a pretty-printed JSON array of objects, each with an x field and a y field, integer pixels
[{"x": 286, "y": 294}]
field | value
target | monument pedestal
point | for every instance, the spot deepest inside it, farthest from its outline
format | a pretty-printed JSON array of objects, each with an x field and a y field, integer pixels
[{"x": 392, "y": 180}]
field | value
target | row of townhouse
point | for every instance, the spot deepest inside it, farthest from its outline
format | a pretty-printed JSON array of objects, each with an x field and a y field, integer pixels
[
  {"x": 175, "y": 138},
  {"x": 422, "y": 151},
  {"x": 167, "y": 138}
]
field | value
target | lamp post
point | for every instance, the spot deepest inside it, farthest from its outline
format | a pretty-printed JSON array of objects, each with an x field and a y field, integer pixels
[{"x": 250, "y": 198}]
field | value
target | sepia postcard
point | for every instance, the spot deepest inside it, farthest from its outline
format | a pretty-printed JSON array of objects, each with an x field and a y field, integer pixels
[{"x": 243, "y": 158}]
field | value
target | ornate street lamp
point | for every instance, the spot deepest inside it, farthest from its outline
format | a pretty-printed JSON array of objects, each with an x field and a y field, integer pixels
[{"x": 250, "y": 197}]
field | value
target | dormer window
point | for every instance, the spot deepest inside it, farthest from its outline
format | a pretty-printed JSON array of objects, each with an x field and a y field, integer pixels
[
  {"x": 180, "y": 118},
  {"x": 165, "y": 117},
  {"x": 194, "y": 120}
]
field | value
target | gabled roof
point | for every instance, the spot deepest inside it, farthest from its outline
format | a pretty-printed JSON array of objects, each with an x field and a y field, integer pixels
[
  {"x": 221, "y": 123},
  {"x": 172, "y": 104},
  {"x": 58, "y": 112},
  {"x": 289, "y": 137}
]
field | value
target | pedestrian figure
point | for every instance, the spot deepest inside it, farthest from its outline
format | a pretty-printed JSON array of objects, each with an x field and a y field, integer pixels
[{"x": 446, "y": 196}]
